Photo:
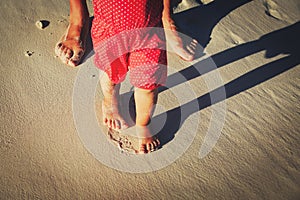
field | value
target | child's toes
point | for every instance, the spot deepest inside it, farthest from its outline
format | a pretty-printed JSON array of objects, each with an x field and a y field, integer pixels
[
  {"x": 143, "y": 149},
  {"x": 109, "y": 123},
  {"x": 156, "y": 143},
  {"x": 104, "y": 120},
  {"x": 117, "y": 124},
  {"x": 154, "y": 146},
  {"x": 149, "y": 147}
]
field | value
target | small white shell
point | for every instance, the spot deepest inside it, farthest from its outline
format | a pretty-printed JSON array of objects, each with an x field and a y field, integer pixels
[{"x": 41, "y": 24}]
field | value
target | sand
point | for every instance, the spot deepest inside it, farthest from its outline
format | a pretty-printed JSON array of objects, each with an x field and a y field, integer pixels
[{"x": 255, "y": 155}]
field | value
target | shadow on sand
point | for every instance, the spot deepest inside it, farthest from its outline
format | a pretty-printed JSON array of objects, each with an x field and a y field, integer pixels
[
  {"x": 199, "y": 22},
  {"x": 283, "y": 41}
]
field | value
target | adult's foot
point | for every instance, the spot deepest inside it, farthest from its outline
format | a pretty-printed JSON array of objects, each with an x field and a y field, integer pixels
[
  {"x": 186, "y": 52},
  {"x": 146, "y": 141},
  {"x": 71, "y": 46}
]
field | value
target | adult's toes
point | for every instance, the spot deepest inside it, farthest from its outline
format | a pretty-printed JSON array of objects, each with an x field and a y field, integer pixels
[
  {"x": 191, "y": 50},
  {"x": 194, "y": 47},
  {"x": 63, "y": 55},
  {"x": 58, "y": 45},
  {"x": 194, "y": 42},
  {"x": 78, "y": 53},
  {"x": 58, "y": 48},
  {"x": 62, "y": 51},
  {"x": 75, "y": 59},
  {"x": 69, "y": 54},
  {"x": 73, "y": 62}
]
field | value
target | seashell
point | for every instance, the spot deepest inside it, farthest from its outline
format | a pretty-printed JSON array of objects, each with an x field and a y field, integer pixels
[{"x": 42, "y": 24}]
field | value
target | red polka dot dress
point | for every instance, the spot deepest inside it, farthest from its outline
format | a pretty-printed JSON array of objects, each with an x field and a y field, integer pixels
[{"x": 128, "y": 36}]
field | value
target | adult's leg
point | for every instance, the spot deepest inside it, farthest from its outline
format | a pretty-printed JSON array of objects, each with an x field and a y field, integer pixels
[
  {"x": 70, "y": 48},
  {"x": 173, "y": 39}
]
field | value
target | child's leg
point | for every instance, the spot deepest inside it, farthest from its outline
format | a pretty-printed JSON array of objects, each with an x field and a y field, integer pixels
[
  {"x": 110, "y": 106},
  {"x": 145, "y": 101}
]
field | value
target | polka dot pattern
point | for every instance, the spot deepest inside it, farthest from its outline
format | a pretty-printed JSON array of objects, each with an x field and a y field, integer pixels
[{"x": 147, "y": 64}]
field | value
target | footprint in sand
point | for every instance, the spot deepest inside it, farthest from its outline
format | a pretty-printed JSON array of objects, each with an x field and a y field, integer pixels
[
  {"x": 272, "y": 9},
  {"x": 235, "y": 39},
  {"x": 125, "y": 143}
]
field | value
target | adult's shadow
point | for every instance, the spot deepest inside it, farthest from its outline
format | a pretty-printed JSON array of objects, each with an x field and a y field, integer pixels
[
  {"x": 199, "y": 22},
  {"x": 283, "y": 41},
  {"x": 89, "y": 44}
]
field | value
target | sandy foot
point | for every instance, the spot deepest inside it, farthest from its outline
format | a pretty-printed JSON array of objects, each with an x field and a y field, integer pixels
[
  {"x": 111, "y": 116},
  {"x": 71, "y": 46},
  {"x": 111, "y": 104},
  {"x": 146, "y": 142},
  {"x": 132, "y": 144},
  {"x": 174, "y": 41}
]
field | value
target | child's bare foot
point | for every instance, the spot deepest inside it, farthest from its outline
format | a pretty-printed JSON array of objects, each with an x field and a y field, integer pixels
[
  {"x": 110, "y": 104},
  {"x": 71, "y": 46},
  {"x": 111, "y": 116},
  {"x": 186, "y": 52},
  {"x": 147, "y": 142}
]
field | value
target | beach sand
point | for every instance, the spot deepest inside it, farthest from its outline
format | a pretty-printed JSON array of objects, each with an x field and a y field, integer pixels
[{"x": 255, "y": 154}]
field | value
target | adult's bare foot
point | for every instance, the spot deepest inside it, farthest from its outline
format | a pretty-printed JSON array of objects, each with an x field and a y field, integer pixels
[
  {"x": 71, "y": 46},
  {"x": 147, "y": 142},
  {"x": 186, "y": 52}
]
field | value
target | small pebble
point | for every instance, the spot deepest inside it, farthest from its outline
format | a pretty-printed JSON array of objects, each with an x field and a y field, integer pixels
[
  {"x": 29, "y": 53},
  {"x": 42, "y": 24}
]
